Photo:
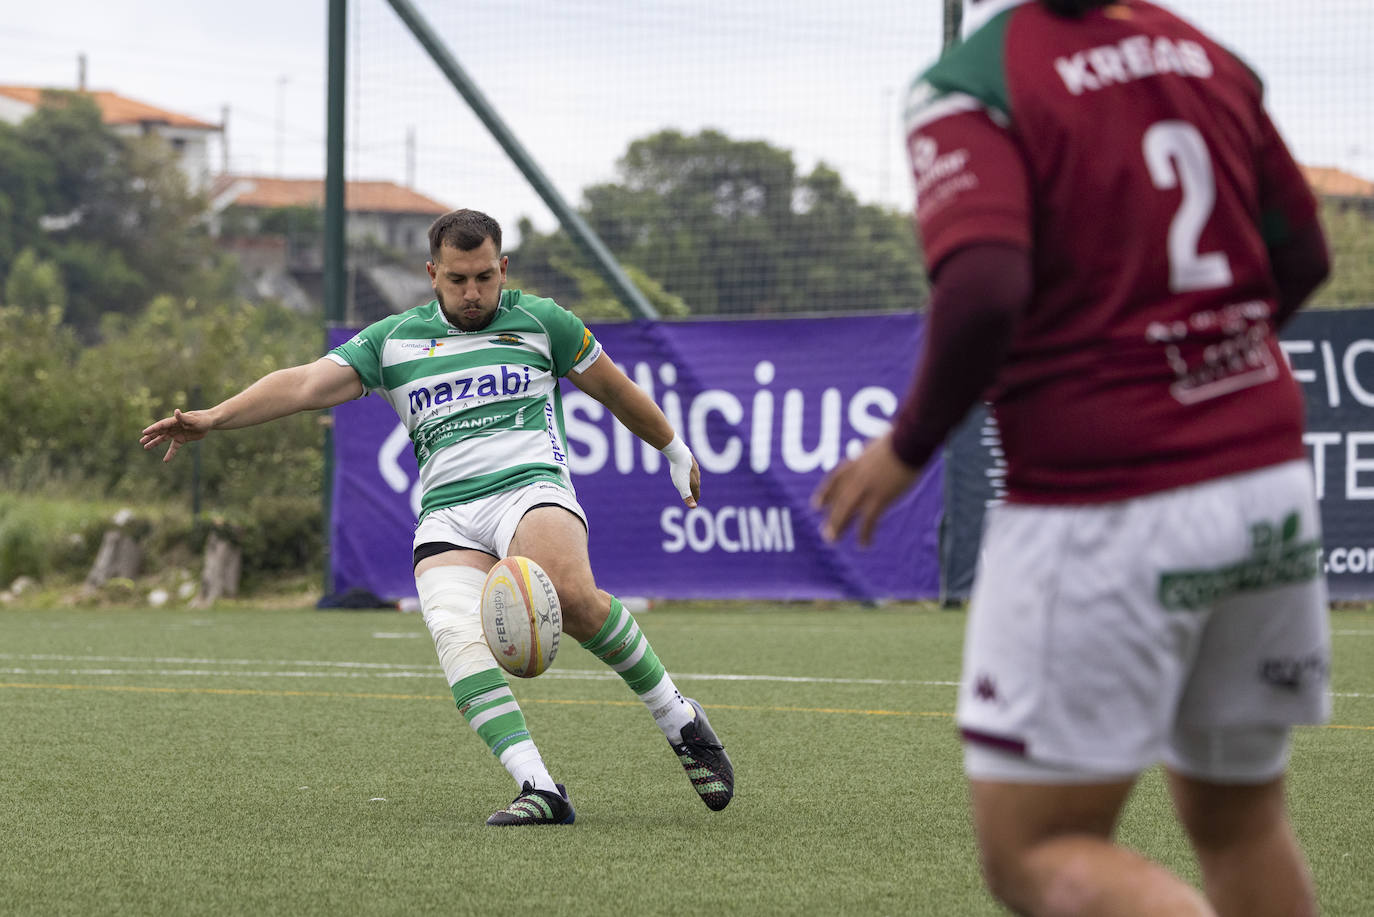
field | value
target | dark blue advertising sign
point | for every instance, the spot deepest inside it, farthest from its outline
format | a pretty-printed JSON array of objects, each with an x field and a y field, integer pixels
[{"x": 1331, "y": 354}]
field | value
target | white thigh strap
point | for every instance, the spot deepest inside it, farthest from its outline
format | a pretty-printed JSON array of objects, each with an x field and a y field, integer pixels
[
  {"x": 450, "y": 596},
  {"x": 450, "y": 590}
]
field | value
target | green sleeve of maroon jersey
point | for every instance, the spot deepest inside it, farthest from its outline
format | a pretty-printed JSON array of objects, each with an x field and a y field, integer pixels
[
  {"x": 975, "y": 67},
  {"x": 363, "y": 351},
  {"x": 572, "y": 344}
]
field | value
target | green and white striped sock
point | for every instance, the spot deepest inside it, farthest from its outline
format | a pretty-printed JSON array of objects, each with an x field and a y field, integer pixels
[
  {"x": 622, "y": 646},
  {"x": 486, "y": 702}
]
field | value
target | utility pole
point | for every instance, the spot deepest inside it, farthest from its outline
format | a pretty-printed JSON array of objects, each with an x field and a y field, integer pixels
[
  {"x": 224, "y": 139},
  {"x": 410, "y": 157},
  {"x": 954, "y": 15},
  {"x": 571, "y": 220},
  {"x": 281, "y": 119},
  {"x": 335, "y": 255}
]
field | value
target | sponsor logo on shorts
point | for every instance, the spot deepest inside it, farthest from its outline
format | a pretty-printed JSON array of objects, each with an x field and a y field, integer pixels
[
  {"x": 1277, "y": 558},
  {"x": 985, "y": 689},
  {"x": 1293, "y": 673}
]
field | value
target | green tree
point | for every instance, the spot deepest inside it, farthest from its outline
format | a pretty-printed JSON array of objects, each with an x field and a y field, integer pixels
[
  {"x": 729, "y": 227},
  {"x": 188, "y": 354},
  {"x": 549, "y": 265},
  {"x": 115, "y": 215},
  {"x": 26, "y": 181},
  {"x": 34, "y": 283},
  {"x": 73, "y": 413},
  {"x": 37, "y": 355}
]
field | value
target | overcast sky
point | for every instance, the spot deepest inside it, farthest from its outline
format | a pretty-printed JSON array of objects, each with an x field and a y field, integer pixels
[{"x": 577, "y": 80}]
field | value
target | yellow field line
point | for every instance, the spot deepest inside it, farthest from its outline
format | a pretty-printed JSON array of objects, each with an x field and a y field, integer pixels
[{"x": 253, "y": 692}]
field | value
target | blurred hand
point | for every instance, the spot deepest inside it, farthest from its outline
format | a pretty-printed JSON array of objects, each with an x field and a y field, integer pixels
[
  {"x": 182, "y": 427},
  {"x": 862, "y": 489}
]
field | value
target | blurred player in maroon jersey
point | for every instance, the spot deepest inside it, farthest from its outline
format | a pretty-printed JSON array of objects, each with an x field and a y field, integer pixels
[{"x": 1115, "y": 232}]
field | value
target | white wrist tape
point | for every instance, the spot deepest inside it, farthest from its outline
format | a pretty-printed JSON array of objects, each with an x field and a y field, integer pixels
[{"x": 679, "y": 465}]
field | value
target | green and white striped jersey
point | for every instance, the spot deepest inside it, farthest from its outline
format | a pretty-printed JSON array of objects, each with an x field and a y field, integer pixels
[{"x": 482, "y": 407}]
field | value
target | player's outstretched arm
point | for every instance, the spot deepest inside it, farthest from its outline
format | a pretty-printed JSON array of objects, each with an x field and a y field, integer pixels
[
  {"x": 308, "y": 387},
  {"x": 605, "y": 382}
]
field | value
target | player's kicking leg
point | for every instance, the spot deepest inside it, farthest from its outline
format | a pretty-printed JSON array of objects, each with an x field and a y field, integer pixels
[
  {"x": 556, "y": 539},
  {"x": 450, "y": 594},
  {"x": 621, "y": 645}
]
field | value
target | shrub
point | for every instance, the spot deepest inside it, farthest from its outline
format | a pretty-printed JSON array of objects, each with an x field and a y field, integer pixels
[{"x": 46, "y": 536}]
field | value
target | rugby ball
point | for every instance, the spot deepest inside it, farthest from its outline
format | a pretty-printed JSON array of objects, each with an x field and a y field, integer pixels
[{"x": 521, "y": 617}]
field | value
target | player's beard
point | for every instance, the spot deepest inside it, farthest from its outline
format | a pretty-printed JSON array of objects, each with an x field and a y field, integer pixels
[{"x": 464, "y": 323}]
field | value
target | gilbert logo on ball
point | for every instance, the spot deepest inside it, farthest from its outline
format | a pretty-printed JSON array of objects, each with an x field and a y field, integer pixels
[{"x": 521, "y": 617}]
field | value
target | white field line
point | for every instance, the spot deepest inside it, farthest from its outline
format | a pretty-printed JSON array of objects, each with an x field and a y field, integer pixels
[
  {"x": 334, "y": 669},
  {"x": 339, "y": 669},
  {"x": 211, "y": 673},
  {"x": 192, "y": 660}
]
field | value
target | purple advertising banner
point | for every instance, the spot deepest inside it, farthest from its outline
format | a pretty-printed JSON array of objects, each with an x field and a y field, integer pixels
[{"x": 767, "y": 407}]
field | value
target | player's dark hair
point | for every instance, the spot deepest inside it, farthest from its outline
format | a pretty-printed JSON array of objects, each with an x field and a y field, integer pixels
[
  {"x": 1073, "y": 8},
  {"x": 463, "y": 230}
]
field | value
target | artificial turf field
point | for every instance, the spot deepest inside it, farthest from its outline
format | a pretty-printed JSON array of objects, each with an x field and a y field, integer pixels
[{"x": 291, "y": 761}]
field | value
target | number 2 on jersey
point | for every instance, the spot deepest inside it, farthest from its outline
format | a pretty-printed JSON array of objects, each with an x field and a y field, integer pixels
[{"x": 1177, "y": 156}]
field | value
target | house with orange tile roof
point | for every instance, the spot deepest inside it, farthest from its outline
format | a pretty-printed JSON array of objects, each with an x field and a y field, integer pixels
[
  {"x": 380, "y": 212},
  {"x": 188, "y": 136},
  {"x": 1330, "y": 182},
  {"x": 1347, "y": 190},
  {"x": 386, "y": 224}
]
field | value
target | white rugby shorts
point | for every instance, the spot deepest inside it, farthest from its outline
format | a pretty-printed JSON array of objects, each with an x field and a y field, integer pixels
[
  {"x": 1187, "y": 626},
  {"x": 489, "y": 524}
]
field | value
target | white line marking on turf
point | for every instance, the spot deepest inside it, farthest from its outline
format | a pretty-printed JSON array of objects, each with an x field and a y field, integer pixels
[
  {"x": 211, "y": 673},
  {"x": 401, "y": 670},
  {"x": 182, "y": 660},
  {"x": 437, "y": 673}
]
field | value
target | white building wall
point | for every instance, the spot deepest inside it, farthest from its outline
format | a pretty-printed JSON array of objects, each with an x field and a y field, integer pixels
[
  {"x": 13, "y": 111},
  {"x": 191, "y": 145}
]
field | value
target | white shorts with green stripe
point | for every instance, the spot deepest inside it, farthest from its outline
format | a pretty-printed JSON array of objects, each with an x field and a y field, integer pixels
[{"x": 1187, "y": 627}]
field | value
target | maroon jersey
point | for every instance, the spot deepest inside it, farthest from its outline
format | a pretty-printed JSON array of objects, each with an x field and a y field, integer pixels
[{"x": 1132, "y": 157}]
